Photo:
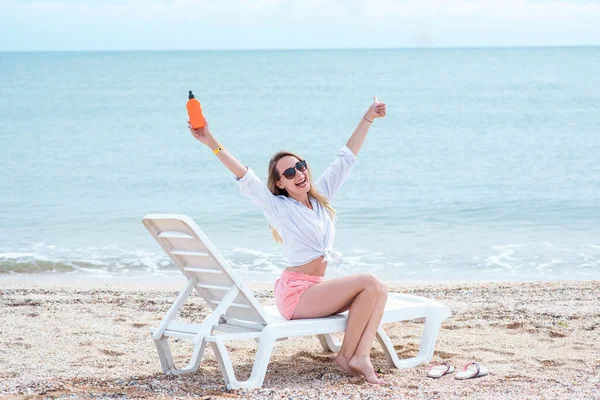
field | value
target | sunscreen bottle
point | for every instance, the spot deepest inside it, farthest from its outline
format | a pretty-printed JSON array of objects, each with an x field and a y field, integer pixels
[{"x": 194, "y": 110}]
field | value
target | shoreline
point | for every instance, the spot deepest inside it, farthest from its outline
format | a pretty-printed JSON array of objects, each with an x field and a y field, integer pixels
[
  {"x": 538, "y": 340},
  {"x": 176, "y": 280}
]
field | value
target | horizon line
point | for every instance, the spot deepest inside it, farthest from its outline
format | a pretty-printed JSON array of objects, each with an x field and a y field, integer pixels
[{"x": 305, "y": 49}]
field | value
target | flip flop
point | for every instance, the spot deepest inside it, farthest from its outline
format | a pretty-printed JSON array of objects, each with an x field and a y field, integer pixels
[
  {"x": 437, "y": 371},
  {"x": 472, "y": 370}
]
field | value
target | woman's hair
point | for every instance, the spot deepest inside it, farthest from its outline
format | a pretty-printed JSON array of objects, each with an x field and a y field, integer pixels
[{"x": 274, "y": 177}]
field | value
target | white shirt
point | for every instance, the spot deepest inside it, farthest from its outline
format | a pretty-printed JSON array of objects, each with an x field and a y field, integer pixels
[{"x": 307, "y": 234}]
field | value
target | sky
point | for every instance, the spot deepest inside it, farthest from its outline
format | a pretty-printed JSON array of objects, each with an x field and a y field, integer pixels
[{"x": 71, "y": 25}]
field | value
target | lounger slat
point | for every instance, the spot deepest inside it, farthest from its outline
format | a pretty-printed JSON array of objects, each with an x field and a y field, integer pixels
[
  {"x": 233, "y": 336},
  {"x": 174, "y": 235},
  {"x": 241, "y": 313},
  {"x": 215, "y": 277},
  {"x": 195, "y": 259},
  {"x": 235, "y": 328},
  {"x": 213, "y": 287},
  {"x": 215, "y": 293},
  {"x": 183, "y": 327},
  {"x": 189, "y": 253},
  {"x": 176, "y": 334},
  {"x": 202, "y": 271},
  {"x": 184, "y": 244},
  {"x": 244, "y": 324},
  {"x": 169, "y": 225},
  {"x": 238, "y": 305},
  {"x": 192, "y": 244}
]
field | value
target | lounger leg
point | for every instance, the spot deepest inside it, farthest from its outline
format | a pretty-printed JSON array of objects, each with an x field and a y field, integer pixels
[
  {"x": 429, "y": 338},
  {"x": 164, "y": 354},
  {"x": 224, "y": 363},
  {"x": 328, "y": 343},
  {"x": 259, "y": 370},
  {"x": 194, "y": 361},
  {"x": 426, "y": 348},
  {"x": 261, "y": 362},
  {"x": 166, "y": 358}
]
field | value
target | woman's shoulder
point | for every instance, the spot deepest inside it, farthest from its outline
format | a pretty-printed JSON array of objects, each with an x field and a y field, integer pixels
[{"x": 284, "y": 201}]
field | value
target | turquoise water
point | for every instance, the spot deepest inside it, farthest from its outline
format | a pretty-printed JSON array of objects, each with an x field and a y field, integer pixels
[{"x": 486, "y": 167}]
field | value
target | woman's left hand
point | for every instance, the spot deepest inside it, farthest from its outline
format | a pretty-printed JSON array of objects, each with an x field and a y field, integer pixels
[{"x": 377, "y": 109}]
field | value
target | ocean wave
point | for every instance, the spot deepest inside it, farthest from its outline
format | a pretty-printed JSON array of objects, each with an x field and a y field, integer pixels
[
  {"x": 515, "y": 261},
  {"x": 45, "y": 258}
]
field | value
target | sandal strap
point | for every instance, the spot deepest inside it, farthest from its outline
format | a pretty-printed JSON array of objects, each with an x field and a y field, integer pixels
[
  {"x": 476, "y": 364},
  {"x": 447, "y": 364}
]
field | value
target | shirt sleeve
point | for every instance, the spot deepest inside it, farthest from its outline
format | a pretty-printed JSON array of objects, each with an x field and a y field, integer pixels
[
  {"x": 336, "y": 174},
  {"x": 252, "y": 187}
]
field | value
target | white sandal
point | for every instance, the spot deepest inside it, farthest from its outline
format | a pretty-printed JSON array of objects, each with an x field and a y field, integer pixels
[
  {"x": 472, "y": 370},
  {"x": 437, "y": 371}
]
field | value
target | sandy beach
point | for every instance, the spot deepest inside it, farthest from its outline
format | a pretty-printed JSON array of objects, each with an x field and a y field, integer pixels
[{"x": 539, "y": 340}]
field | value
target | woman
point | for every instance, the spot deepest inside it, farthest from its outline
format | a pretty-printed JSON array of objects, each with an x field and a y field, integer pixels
[{"x": 302, "y": 219}]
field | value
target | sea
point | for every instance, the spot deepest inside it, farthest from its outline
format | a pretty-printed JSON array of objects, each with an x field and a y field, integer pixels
[{"x": 486, "y": 167}]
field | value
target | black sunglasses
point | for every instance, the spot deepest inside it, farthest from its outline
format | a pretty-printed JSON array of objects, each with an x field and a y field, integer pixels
[{"x": 290, "y": 173}]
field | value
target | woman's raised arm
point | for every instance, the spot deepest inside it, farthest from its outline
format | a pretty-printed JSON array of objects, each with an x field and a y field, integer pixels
[
  {"x": 205, "y": 136},
  {"x": 338, "y": 171},
  {"x": 250, "y": 185},
  {"x": 376, "y": 110}
]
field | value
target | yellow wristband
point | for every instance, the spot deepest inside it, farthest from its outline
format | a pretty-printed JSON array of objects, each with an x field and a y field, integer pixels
[{"x": 218, "y": 149}]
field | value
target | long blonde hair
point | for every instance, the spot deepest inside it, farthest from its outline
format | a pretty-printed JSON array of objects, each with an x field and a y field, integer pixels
[{"x": 274, "y": 177}]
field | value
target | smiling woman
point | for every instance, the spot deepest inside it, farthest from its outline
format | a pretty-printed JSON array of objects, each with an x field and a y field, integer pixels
[{"x": 302, "y": 219}]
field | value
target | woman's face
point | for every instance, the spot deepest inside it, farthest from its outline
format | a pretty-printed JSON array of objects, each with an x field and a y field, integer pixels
[{"x": 299, "y": 183}]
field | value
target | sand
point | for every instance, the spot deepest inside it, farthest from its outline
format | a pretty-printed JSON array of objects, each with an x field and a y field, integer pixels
[{"x": 81, "y": 340}]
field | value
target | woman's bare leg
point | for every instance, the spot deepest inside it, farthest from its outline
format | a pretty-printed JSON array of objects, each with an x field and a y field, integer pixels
[
  {"x": 330, "y": 297},
  {"x": 361, "y": 360}
]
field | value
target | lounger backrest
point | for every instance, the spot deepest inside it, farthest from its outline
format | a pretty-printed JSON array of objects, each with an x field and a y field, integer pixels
[{"x": 199, "y": 260}]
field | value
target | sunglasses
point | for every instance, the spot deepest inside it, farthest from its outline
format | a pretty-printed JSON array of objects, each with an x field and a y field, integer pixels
[{"x": 290, "y": 173}]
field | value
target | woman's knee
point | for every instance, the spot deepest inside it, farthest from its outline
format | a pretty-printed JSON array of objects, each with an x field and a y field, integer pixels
[
  {"x": 383, "y": 290},
  {"x": 370, "y": 282}
]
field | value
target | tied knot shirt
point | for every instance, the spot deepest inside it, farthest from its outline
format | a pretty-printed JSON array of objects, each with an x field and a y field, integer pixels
[{"x": 307, "y": 234}]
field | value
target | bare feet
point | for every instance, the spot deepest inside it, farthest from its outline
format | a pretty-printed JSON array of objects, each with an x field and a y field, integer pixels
[
  {"x": 343, "y": 363},
  {"x": 363, "y": 365}
]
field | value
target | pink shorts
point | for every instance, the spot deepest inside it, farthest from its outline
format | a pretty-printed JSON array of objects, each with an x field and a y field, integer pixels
[{"x": 288, "y": 289}]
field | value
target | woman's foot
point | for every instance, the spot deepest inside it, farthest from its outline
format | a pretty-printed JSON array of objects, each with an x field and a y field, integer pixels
[
  {"x": 343, "y": 363},
  {"x": 363, "y": 365}
]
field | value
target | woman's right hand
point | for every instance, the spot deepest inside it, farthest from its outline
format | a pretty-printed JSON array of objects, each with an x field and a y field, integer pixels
[{"x": 201, "y": 134}]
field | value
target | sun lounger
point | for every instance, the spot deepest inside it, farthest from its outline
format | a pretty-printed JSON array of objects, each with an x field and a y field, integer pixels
[{"x": 237, "y": 315}]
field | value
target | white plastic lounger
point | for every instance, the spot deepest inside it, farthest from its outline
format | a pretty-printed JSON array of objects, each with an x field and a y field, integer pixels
[{"x": 238, "y": 315}]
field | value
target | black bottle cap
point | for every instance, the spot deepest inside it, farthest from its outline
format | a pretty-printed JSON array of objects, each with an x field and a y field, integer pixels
[{"x": 191, "y": 95}]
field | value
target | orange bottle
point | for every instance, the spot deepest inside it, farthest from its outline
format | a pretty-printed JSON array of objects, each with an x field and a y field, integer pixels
[{"x": 195, "y": 112}]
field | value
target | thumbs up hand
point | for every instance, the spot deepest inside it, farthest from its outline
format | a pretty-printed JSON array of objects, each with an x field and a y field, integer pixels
[{"x": 377, "y": 109}]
